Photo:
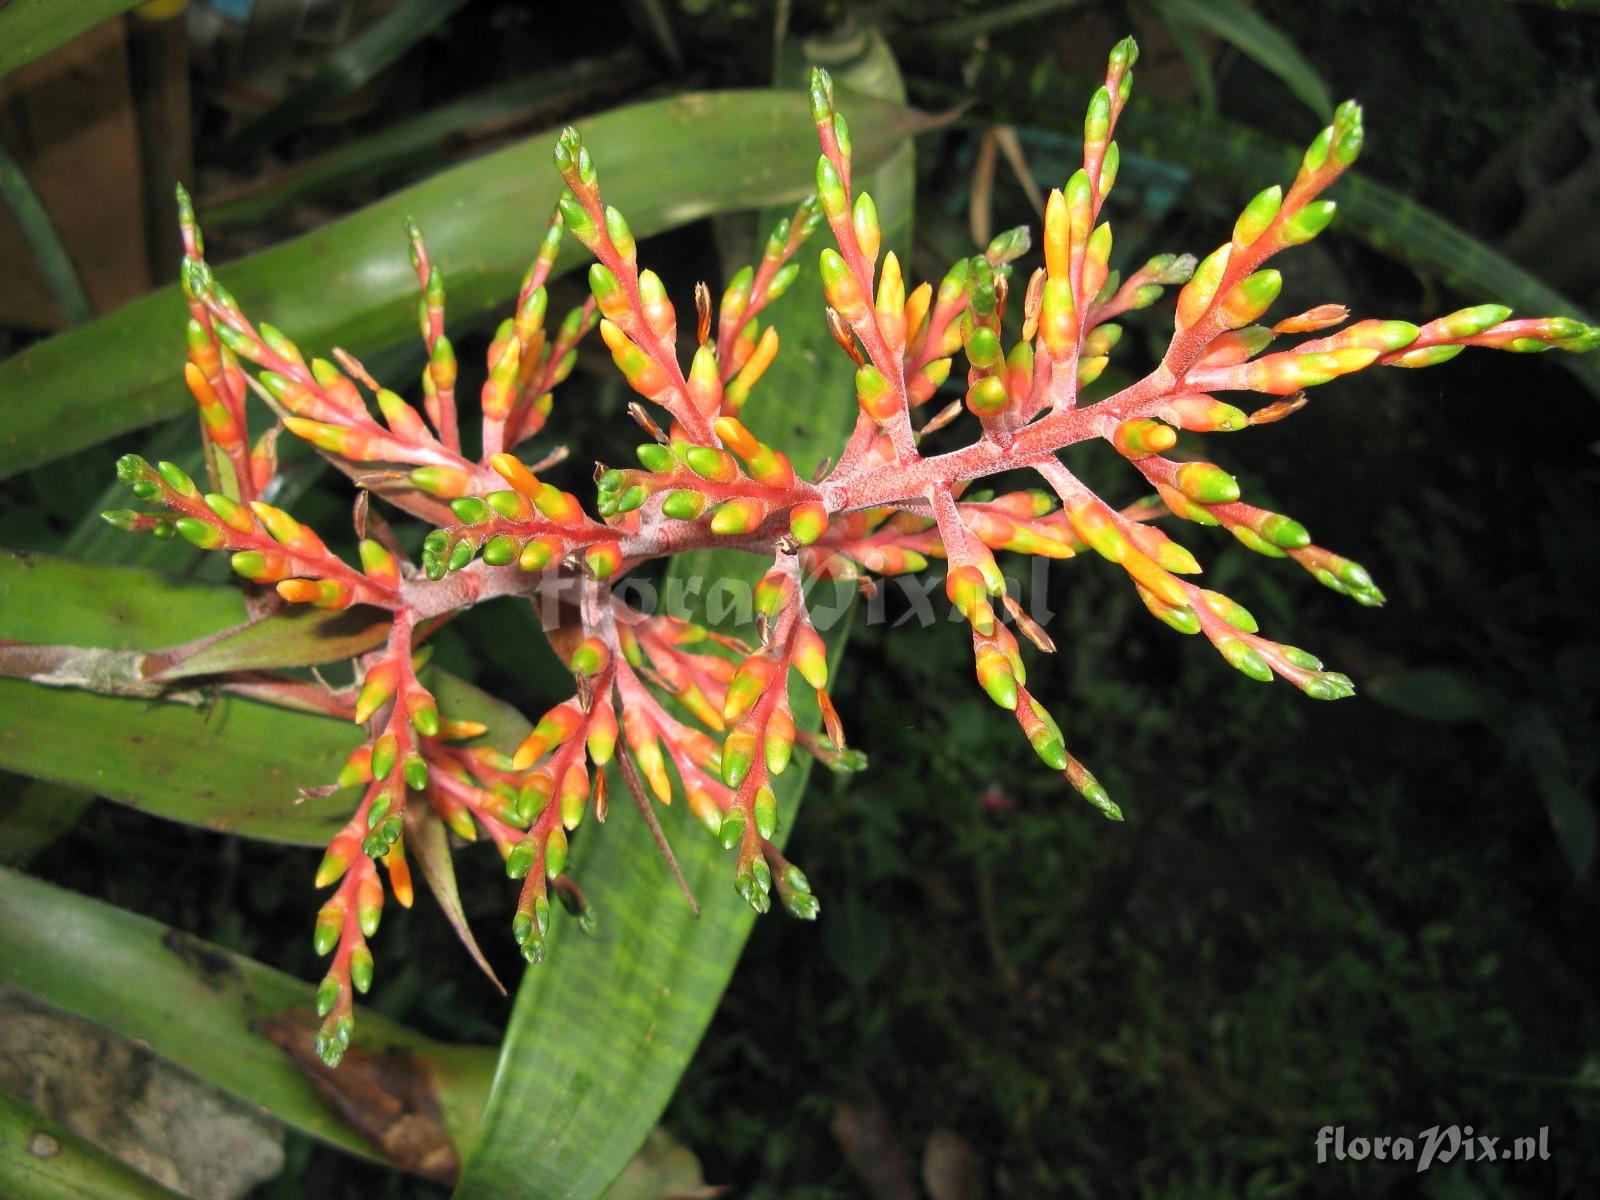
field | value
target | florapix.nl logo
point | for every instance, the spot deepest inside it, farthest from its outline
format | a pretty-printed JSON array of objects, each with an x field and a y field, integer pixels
[{"x": 1437, "y": 1144}]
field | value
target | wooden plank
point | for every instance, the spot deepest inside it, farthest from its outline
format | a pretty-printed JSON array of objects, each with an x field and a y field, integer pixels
[{"x": 69, "y": 120}]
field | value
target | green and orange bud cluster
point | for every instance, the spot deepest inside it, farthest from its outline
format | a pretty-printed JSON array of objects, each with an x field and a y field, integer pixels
[
  {"x": 1142, "y": 288},
  {"x": 876, "y": 313},
  {"x": 344, "y": 923},
  {"x": 638, "y": 322},
  {"x": 473, "y": 788},
  {"x": 1339, "y": 574},
  {"x": 1332, "y": 150},
  {"x": 734, "y": 488},
  {"x": 392, "y": 763},
  {"x": 1232, "y": 630},
  {"x": 318, "y": 401},
  {"x": 794, "y": 889},
  {"x": 1151, "y": 559},
  {"x": 267, "y": 545},
  {"x": 703, "y": 712},
  {"x": 533, "y": 524},
  {"x": 1023, "y": 522},
  {"x": 408, "y": 753},
  {"x": 639, "y": 327},
  {"x": 1002, "y": 675},
  {"x": 439, "y": 374},
  {"x": 1229, "y": 362},
  {"x": 995, "y": 379},
  {"x": 759, "y": 719},
  {"x": 657, "y": 649},
  {"x": 1044, "y": 735},
  {"x": 1205, "y": 494},
  {"x": 1227, "y": 291},
  {"x": 562, "y": 761},
  {"x": 653, "y": 737},
  {"x": 324, "y": 405},
  {"x": 524, "y": 362},
  {"x": 1061, "y": 306},
  {"x": 676, "y": 653},
  {"x": 742, "y": 344},
  {"x": 1489, "y": 325},
  {"x": 219, "y": 388}
]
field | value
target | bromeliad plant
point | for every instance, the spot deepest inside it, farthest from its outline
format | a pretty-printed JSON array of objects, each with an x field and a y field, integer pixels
[{"x": 702, "y": 713}]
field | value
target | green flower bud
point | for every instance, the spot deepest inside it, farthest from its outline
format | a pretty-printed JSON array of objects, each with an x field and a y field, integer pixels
[
  {"x": 655, "y": 458},
  {"x": 1308, "y": 222},
  {"x": 683, "y": 505}
]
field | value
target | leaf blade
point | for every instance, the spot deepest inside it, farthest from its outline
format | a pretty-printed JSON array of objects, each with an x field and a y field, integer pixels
[
  {"x": 46, "y": 599},
  {"x": 43, "y": 1160},
  {"x": 198, "y": 1005},
  {"x": 122, "y": 371},
  {"x": 235, "y": 766},
  {"x": 221, "y": 769}
]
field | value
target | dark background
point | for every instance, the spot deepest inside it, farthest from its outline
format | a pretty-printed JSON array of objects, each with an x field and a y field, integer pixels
[{"x": 1375, "y": 914}]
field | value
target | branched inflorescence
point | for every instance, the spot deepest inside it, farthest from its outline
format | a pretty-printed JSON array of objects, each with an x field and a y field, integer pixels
[{"x": 700, "y": 711}]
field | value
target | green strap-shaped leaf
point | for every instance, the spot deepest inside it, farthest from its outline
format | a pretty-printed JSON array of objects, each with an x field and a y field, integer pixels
[
  {"x": 233, "y": 767},
  {"x": 296, "y": 637},
  {"x": 231, "y": 764},
  {"x": 48, "y": 599},
  {"x": 603, "y": 1029},
  {"x": 201, "y": 1006},
  {"x": 350, "y": 284},
  {"x": 30, "y": 29},
  {"x": 43, "y": 1160},
  {"x": 223, "y": 766}
]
